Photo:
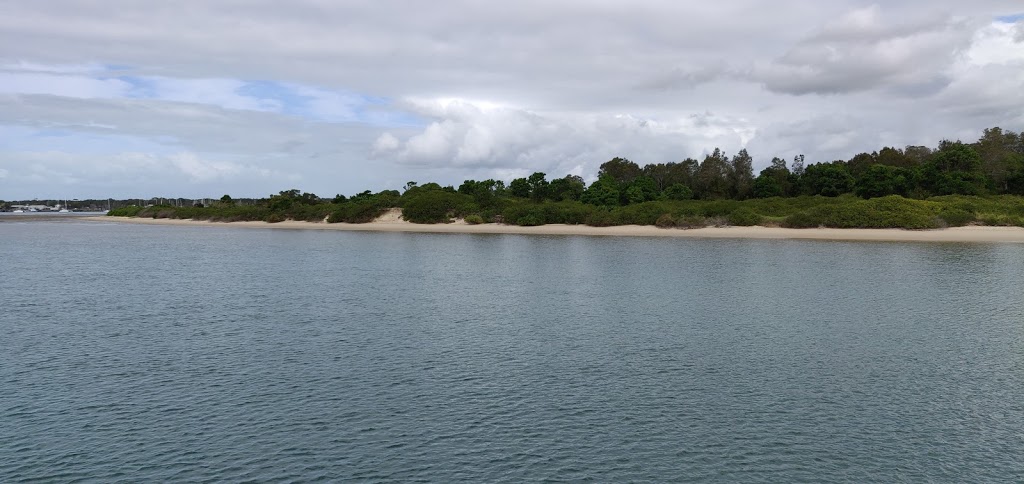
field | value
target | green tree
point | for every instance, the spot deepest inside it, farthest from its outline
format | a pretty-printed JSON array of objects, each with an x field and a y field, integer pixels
[
  {"x": 678, "y": 191},
  {"x": 997, "y": 150},
  {"x": 882, "y": 180},
  {"x": 620, "y": 169},
  {"x": 713, "y": 176},
  {"x": 828, "y": 179},
  {"x": 604, "y": 191},
  {"x": 955, "y": 169},
  {"x": 741, "y": 175},
  {"x": 520, "y": 187},
  {"x": 571, "y": 187},
  {"x": 538, "y": 186},
  {"x": 641, "y": 189}
]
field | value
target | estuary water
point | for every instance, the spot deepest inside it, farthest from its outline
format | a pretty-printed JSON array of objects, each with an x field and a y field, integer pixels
[{"x": 136, "y": 353}]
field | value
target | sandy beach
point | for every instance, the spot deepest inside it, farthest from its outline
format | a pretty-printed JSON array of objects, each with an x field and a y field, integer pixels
[{"x": 392, "y": 222}]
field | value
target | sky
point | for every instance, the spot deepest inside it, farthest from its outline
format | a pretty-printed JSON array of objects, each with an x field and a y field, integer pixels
[{"x": 200, "y": 98}]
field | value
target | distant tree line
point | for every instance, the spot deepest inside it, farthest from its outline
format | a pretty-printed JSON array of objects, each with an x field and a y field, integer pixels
[{"x": 953, "y": 184}]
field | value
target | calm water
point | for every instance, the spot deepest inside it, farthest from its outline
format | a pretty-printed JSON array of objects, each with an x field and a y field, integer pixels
[{"x": 144, "y": 353}]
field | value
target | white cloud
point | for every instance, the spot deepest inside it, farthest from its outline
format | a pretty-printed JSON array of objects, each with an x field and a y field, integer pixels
[{"x": 507, "y": 140}]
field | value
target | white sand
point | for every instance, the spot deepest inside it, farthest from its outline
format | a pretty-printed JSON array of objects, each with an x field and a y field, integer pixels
[{"x": 392, "y": 222}]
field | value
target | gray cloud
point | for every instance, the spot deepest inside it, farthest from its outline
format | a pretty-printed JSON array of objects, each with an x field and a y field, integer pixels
[{"x": 860, "y": 51}]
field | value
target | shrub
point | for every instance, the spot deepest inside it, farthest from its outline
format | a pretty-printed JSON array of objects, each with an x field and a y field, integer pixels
[
  {"x": 744, "y": 217},
  {"x": 530, "y": 220},
  {"x": 428, "y": 206},
  {"x": 357, "y": 212},
  {"x": 955, "y": 217},
  {"x": 691, "y": 222},
  {"x": 275, "y": 218},
  {"x": 886, "y": 212},
  {"x": 474, "y": 219},
  {"x": 129, "y": 211},
  {"x": 666, "y": 221}
]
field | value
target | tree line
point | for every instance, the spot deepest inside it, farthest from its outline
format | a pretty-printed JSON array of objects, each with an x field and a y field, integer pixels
[{"x": 952, "y": 184}]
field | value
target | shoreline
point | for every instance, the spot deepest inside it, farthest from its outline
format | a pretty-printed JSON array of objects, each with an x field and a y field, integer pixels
[{"x": 984, "y": 234}]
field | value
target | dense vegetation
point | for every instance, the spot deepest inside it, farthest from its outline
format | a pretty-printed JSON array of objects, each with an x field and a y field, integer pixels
[{"x": 916, "y": 188}]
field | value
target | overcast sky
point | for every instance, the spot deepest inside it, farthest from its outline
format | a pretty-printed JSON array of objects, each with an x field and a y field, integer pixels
[{"x": 200, "y": 98}]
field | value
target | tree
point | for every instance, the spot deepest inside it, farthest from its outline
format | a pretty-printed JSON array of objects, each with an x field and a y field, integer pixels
[
  {"x": 227, "y": 201},
  {"x": 860, "y": 163},
  {"x": 798, "y": 165},
  {"x": 881, "y": 180},
  {"x": 678, "y": 191},
  {"x": 538, "y": 186},
  {"x": 519, "y": 187},
  {"x": 955, "y": 169},
  {"x": 668, "y": 174},
  {"x": 642, "y": 189},
  {"x": 997, "y": 150},
  {"x": 620, "y": 169},
  {"x": 894, "y": 157},
  {"x": 569, "y": 188},
  {"x": 779, "y": 164},
  {"x": 604, "y": 191},
  {"x": 339, "y": 198},
  {"x": 766, "y": 185},
  {"x": 713, "y": 176},
  {"x": 741, "y": 175},
  {"x": 828, "y": 179}
]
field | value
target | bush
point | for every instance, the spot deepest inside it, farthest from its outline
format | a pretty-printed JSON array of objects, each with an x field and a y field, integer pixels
[
  {"x": 666, "y": 221},
  {"x": 530, "y": 220},
  {"x": 474, "y": 219},
  {"x": 955, "y": 217},
  {"x": 357, "y": 212},
  {"x": 886, "y": 212},
  {"x": 129, "y": 211},
  {"x": 430, "y": 206},
  {"x": 275, "y": 218},
  {"x": 691, "y": 222},
  {"x": 744, "y": 217}
]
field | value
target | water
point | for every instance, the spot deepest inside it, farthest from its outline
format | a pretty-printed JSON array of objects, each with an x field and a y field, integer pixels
[{"x": 147, "y": 353}]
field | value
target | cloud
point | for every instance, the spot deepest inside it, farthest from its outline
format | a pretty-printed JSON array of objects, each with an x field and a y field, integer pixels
[
  {"x": 860, "y": 51},
  {"x": 335, "y": 97},
  {"x": 471, "y": 137},
  {"x": 61, "y": 85}
]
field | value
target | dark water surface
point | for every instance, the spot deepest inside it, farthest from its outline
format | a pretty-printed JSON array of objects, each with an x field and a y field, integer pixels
[{"x": 146, "y": 353}]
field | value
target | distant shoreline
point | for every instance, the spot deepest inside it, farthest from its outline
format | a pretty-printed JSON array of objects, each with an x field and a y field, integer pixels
[{"x": 984, "y": 234}]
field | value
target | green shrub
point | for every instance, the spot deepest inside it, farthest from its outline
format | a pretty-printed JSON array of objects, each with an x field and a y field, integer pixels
[
  {"x": 474, "y": 219},
  {"x": 955, "y": 217},
  {"x": 886, "y": 212},
  {"x": 743, "y": 217},
  {"x": 431, "y": 206},
  {"x": 691, "y": 222},
  {"x": 275, "y": 218},
  {"x": 357, "y": 212},
  {"x": 530, "y": 220},
  {"x": 666, "y": 221},
  {"x": 129, "y": 211}
]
